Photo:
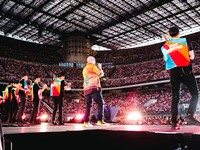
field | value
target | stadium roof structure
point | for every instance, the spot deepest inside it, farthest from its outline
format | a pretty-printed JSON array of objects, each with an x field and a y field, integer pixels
[{"x": 114, "y": 24}]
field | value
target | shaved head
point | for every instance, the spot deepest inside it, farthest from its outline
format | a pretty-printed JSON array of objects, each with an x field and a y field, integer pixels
[{"x": 91, "y": 60}]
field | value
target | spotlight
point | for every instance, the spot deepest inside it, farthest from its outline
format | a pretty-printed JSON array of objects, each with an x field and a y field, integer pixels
[
  {"x": 78, "y": 118},
  {"x": 134, "y": 116}
]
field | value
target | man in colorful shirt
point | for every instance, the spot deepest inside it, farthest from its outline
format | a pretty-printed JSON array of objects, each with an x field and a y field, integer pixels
[
  {"x": 58, "y": 88},
  {"x": 92, "y": 90},
  {"x": 178, "y": 55}
]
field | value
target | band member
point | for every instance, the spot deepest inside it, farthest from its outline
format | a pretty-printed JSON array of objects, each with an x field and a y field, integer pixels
[
  {"x": 23, "y": 90},
  {"x": 92, "y": 90},
  {"x": 58, "y": 86},
  {"x": 36, "y": 96},
  {"x": 14, "y": 105},
  {"x": 7, "y": 97},
  {"x": 178, "y": 54}
]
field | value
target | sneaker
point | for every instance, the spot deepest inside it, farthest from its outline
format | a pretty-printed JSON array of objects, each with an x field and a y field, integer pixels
[
  {"x": 87, "y": 124},
  {"x": 192, "y": 121},
  {"x": 99, "y": 122},
  {"x": 175, "y": 126}
]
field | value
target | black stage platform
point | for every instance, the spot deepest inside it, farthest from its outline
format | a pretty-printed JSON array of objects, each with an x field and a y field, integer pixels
[{"x": 46, "y": 136}]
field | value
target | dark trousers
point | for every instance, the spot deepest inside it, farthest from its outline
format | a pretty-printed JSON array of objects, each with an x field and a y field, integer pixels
[
  {"x": 58, "y": 105},
  {"x": 35, "y": 110},
  {"x": 179, "y": 76},
  {"x": 14, "y": 109},
  {"x": 22, "y": 105},
  {"x": 6, "y": 110},
  {"x": 98, "y": 98}
]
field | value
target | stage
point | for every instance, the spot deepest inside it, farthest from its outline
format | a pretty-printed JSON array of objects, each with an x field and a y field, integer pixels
[{"x": 114, "y": 136}]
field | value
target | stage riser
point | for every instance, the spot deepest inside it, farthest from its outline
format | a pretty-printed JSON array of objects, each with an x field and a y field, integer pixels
[{"x": 90, "y": 139}]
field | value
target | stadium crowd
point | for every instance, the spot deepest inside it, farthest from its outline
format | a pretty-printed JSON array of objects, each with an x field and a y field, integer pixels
[{"x": 126, "y": 67}]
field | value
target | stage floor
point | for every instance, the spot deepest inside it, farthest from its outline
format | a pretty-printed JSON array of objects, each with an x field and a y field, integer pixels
[
  {"x": 113, "y": 135},
  {"x": 48, "y": 127}
]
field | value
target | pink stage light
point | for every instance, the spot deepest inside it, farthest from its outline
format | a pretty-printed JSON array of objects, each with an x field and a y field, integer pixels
[
  {"x": 43, "y": 117},
  {"x": 23, "y": 117},
  {"x": 79, "y": 116},
  {"x": 135, "y": 116}
]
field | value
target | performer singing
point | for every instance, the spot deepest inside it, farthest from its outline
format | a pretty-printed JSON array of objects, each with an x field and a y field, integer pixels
[
  {"x": 36, "y": 96},
  {"x": 92, "y": 90}
]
